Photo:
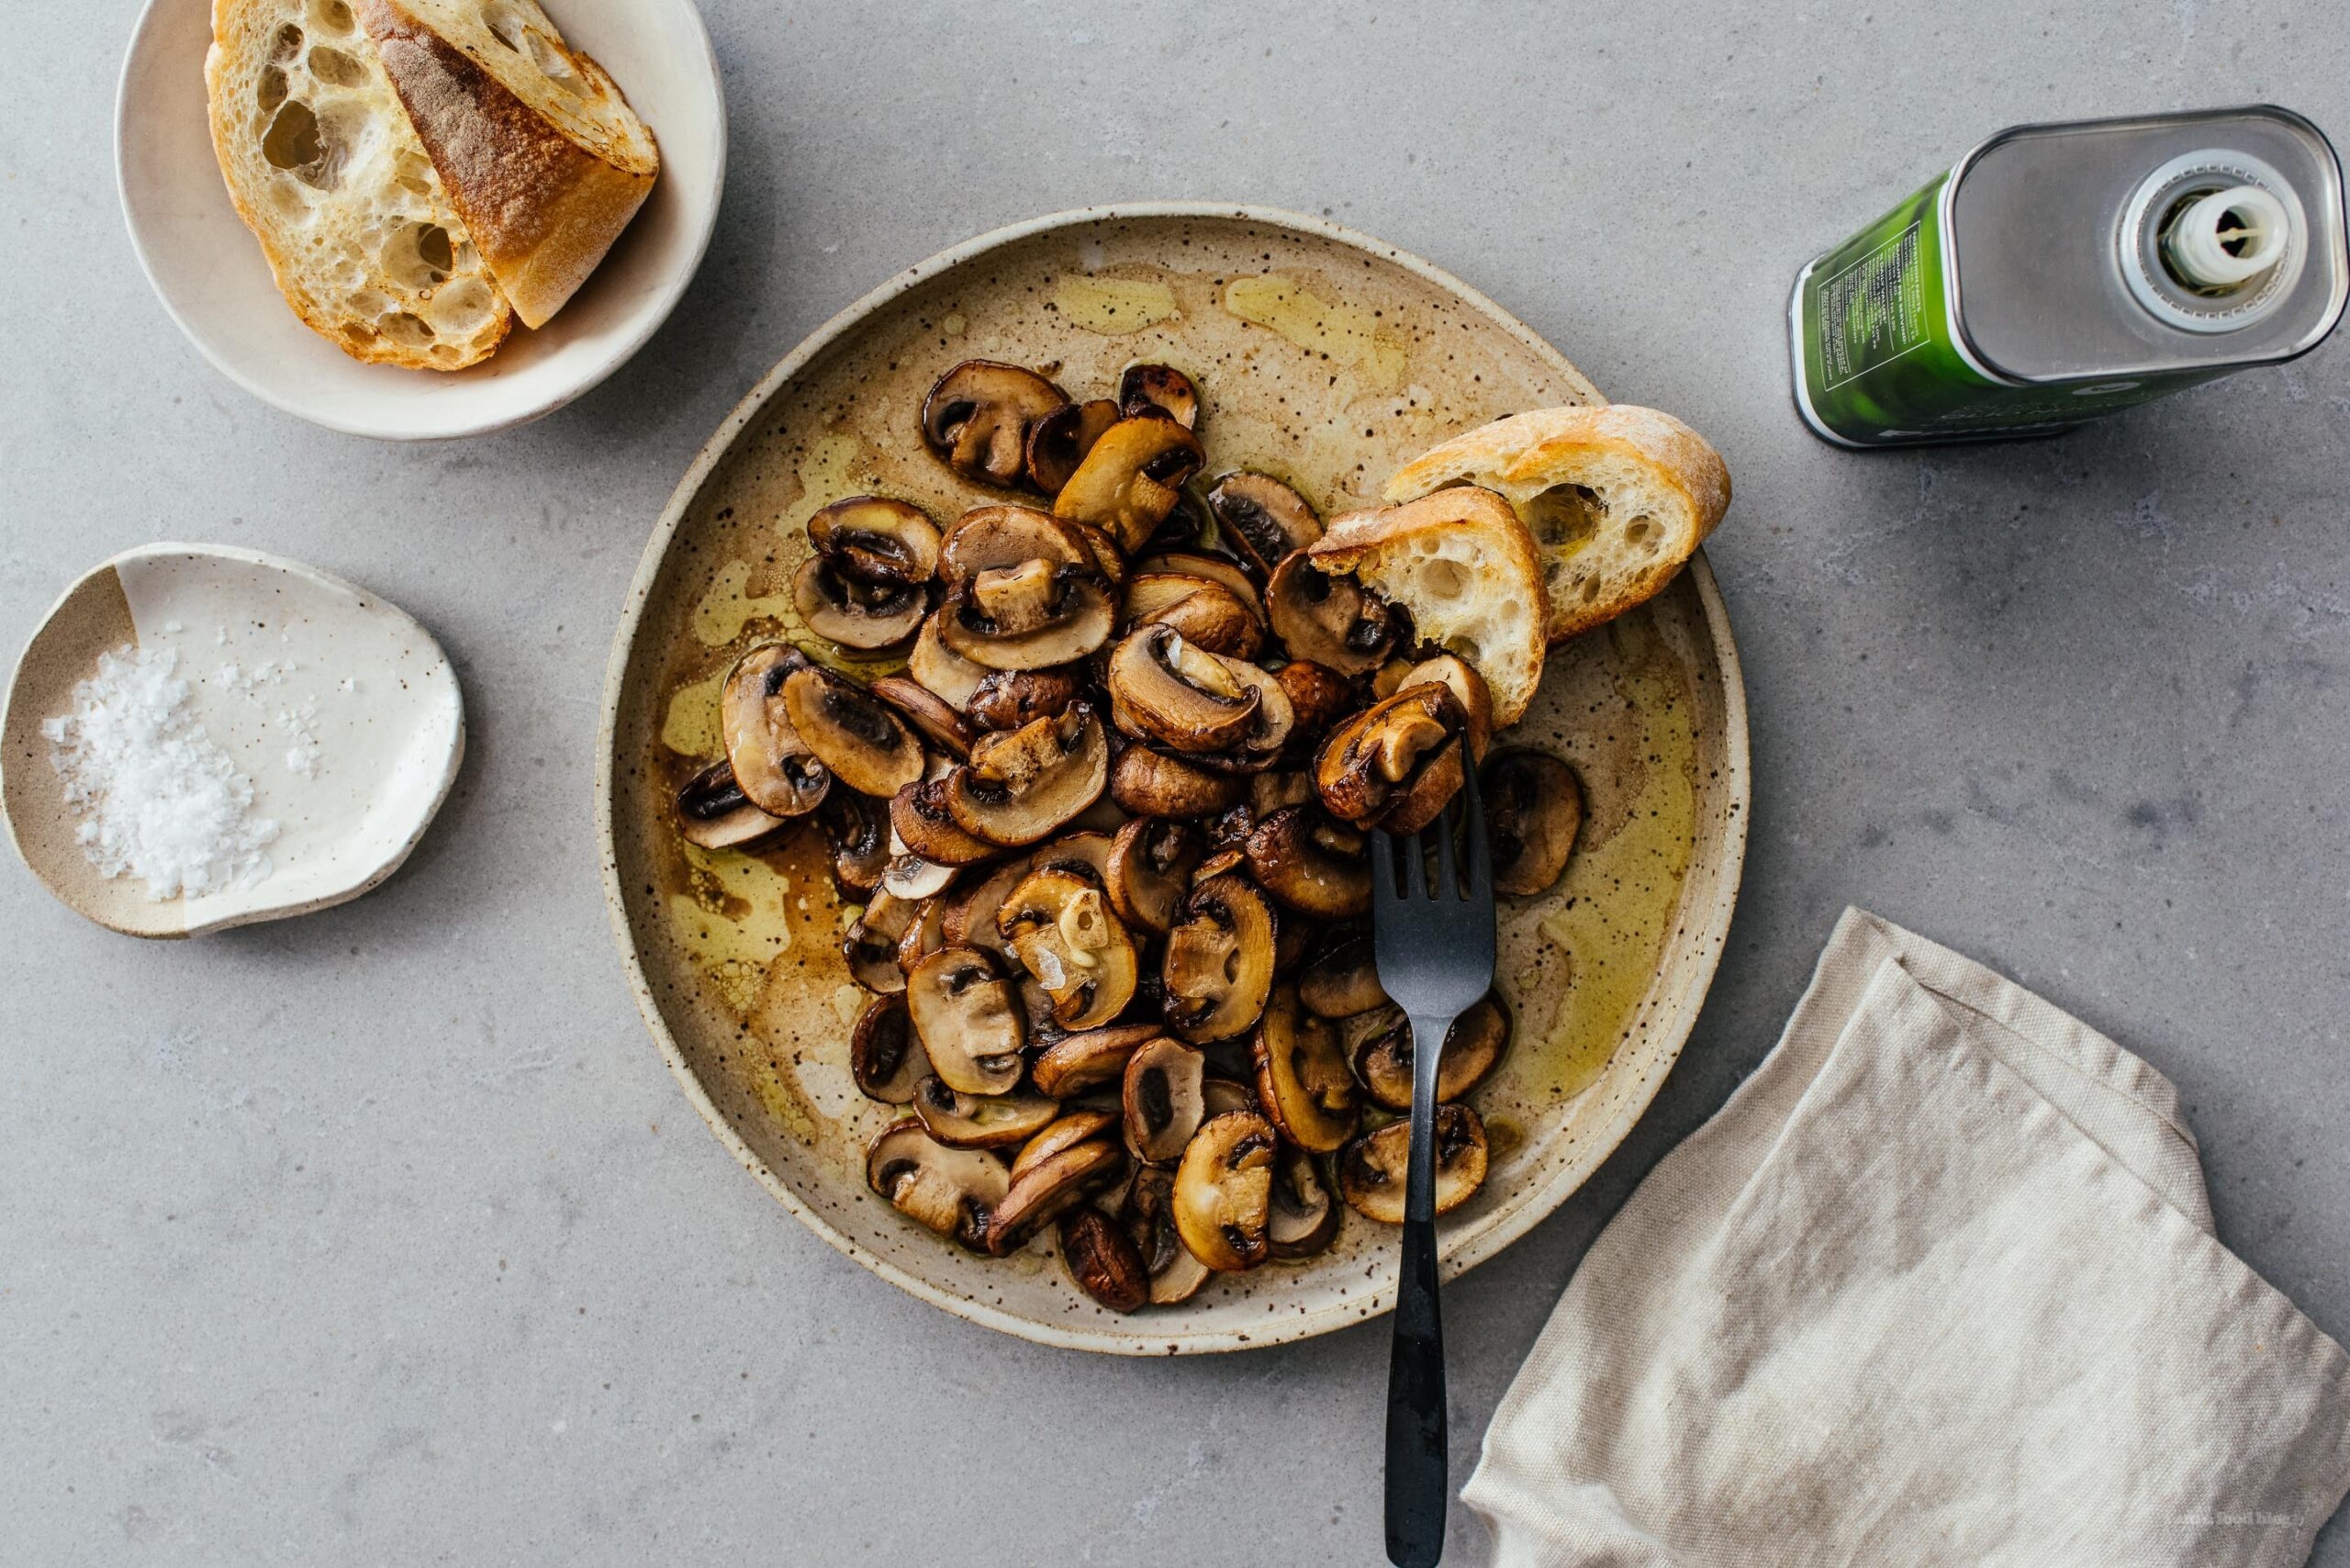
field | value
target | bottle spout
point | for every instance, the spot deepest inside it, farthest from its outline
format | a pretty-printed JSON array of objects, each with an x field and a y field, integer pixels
[{"x": 2224, "y": 239}]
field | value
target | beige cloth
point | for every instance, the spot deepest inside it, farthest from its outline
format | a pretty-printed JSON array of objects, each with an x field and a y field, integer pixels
[{"x": 1938, "y": 1286}]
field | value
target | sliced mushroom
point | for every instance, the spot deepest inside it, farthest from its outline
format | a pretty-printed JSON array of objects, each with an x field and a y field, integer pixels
[
  {"x": 1103, "y": 1263},
  {"x": 1158, "y": 389},
  {"x": 1058, "y": 442},
  {"x": 980, "y": 1121},
  {"x": 918, "y": 817},
  {"x": 772, "y": 762},
  {"x": 1221, "y": 570},
  {"x": 943, "y": 672},
  {"x": 968, "y": 1020},
  {"x": 969, "y": 918},
  {"x": 1050, "y": 1188},
  {"x": 991, "y": 538},
  {"x": 855, "y": 614},
  {"x": 1343, "y": 982},
  {"x": 1061, "y": 928},
  {"x": 857, "y": 828},
  {"x": 1148, "y": 1216},
  {"x": 1370, "y": 1169},
  {"x": 1302, "y": 1077},
  {"x": 1131, "y": 479},
  {"x": 1070, "y": 1129},
  {"x": 1152, "y": 783},
  {"x": 1220, "y": 1096},
  {"x": 1396, "y": 765},
  {"x": 1021, "y": 785},
  {"x": 1380, "y": 1053},
  {"x": 870, "y": 945},
  {"x": 1149, "y": 870},
  {"x": 976, "y": 417},
  {"x": 951, "y": 1191},
  {"x": 1334, "y": 622},
  {"x": 1268, "y": 792},
  {"x": 1085, "y": 854},
  {"x": 927, "y": 712},
  {"x": 1161, "y": 1099},
  {"x": 1224, "y": 1193},
  {"x": 1263, "y": 520},
  {"x": 1320, "y": 697},
  {"x": 884, "y": 1056},
  {"x": 1218, "y": 967},
  {"x": 1008, "y": 698},
  {"x": 858, "y": 738},
  {"x": 1305, "y": 1214},
  {"x": 1164, "y": 689},
  {"x": 1533, "y": 810},
  {"x": 1311, "y": 864},
  {"x": 877, "y": 540},
  {"x": 923, "y": 936},
  {"x": 1207, "y": 614},
  {"x": 909, "y": 877},
  {"x": 1071, "y": 1066},
  {"x": 1446, "y": 671},
  {"x": 1028, "y": 617},
  {"x": 714, "y": 813}
]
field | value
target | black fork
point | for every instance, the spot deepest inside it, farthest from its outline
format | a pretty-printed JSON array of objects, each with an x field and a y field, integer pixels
[{"x": 1435, "y": 945}]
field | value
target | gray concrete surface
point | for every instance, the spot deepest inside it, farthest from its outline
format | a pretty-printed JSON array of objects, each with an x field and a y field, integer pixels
[{"x": 384, "y": 1237}]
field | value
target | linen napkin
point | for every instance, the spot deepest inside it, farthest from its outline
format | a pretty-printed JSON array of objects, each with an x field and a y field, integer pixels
[{"x": 1938, "y": 1285}]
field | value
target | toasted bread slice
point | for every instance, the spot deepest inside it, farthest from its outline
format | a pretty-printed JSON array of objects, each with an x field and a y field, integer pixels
[
  {"x": 1617, "y": 499},
  {"x": 323, "y": 167},
  {"x": 1467, "y": 570},
  {"x": 538, "y": 148}
]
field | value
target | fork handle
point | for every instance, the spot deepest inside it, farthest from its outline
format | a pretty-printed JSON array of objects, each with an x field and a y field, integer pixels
[{"x": 1417, "y": 1490}]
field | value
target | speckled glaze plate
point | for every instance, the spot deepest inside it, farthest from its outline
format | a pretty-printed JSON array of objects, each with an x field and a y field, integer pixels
[{"x": 1324, "y": 357}]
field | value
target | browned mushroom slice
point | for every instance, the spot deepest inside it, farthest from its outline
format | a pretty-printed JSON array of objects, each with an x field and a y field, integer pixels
[
  {"x": 1224, "y": 1193},
  {"x": 855, "y": 614},
  {"x": 1221, "y": 570},
  {"x": 1062, "y": 929},
  {"x": 1301, "y": 1078},
  {"x": 870, "y": 945},
  {"x": 918, "y": 815},
  {"x": 1263, "y": 520},
  {"x": 877, "y": 540},
  {"x": 1334, "y": 622},
  {"x": 1268, "y": 792},
  {"x": 968, "y": 1019},
  {"x": 1158, "y": 389},
  {"x": 1152, "y": 783},
  {"x": 1343, "y": 982},
  {"x": 1446, "y": 671},
  {"x": 1533, "y": 810},
  {"x": 714, "y": 813},
  {"x": 1131, "y": 479},
  {"x": 884, "y": 1056},
  {"x": 1268, "y": 732},
  {"x": 1370, "y": 1169},
  {"x": 1084, "y": 855},
  {"x": 1021, "y": 785},
  {"x": 1220, "y": 1096},
  {"x": 1008, "y": 698},
  {"x": 923, "y": 934},
  {"x": 1149, "y": 869},
  {"x": 951, "y": 1191},
  {"x": 969, "y": 918},
  {"x": 909, "y": 877},
  {"x": 1320, "y": 697},
  {"x": 1161, "y": 1099},
  {"x": 991, "y": 538},
  {"x": 1207, "y": 615},
  {"x": 1102, "y": 1261},
  {"x": 1311, "y": 864},
  {"x": 1050, "y": 1188},
  {"x": 1305, "y": 1213},
  {"x": 772, "y": 762},
  {"x": 1148, "y": 1217},
  {"x": 1162, "y": 688},
  {"x": 859, "y": 739},
  {"x": 927, "y": 712},
  {"x": 976, "y": 417},
  {"x": 856, "y": 827},
  {"x": 1218, "y": 967},
  {"x": 1380, "y": 1053},
  {"x": 1028, "y": 617},
  {"x": 1058, "y": 442},
  {"x": 943, "y": 672},
  {"x": 1070, "y": 1129},
  {"x": 1396, "y": 765},
  {"x": 1093, "y": 1060},
  {"x": 980, "y": 1121}
]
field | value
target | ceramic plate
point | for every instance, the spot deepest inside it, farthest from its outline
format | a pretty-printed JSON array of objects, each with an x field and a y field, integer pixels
[
  {"x": 1327, "y": 358},
  {"x": 209, "y": 272}
]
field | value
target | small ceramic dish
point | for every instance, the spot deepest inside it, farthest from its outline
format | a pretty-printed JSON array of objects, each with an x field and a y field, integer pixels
[
  {"x": 341, "y": 708},
  {"x": 209, "y": 272}
]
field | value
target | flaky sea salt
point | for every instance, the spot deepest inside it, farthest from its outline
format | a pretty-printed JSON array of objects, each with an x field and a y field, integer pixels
[{"x": 157, "y": 799}]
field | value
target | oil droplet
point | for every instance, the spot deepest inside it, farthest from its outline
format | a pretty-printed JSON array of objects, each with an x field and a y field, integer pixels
[
  {"x": 1353, "y": 338},
  {"x": 690, "y": 727},
  {"x": 1114, "y": 305},
  {"x": 721, "y": 613},
  {"x": 954, "y": 324}
]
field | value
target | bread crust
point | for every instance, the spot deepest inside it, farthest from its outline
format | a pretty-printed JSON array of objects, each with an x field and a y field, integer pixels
[{"x": 543, "y": 209}]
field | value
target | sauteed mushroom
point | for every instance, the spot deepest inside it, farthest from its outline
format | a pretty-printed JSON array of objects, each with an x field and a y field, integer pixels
[
  {"x": 1077, "y": 1063},
  {"x": 1131, "y": 479},
  {"x": 944, "y": 672},
  {"x": 1008, "y": 698},
  {"x": 1164, "y": 689},
  {"x": 884, "y": 1056},
  {"x": 1224, "y": 1193},
  {"x": 918, "y": 817},
  {"x": 1050, "y": 1188},
  {"x": 927, "y": 712},
  {"x": 1334, "y": 622},
  {"x": 1058, "y": 442},
  {"x": 1152, "y": 783},
  {"x": 858, "y": 738},
  {"x": 1396, "y": 765},
  {"x": 1533, "y": 810},
  {"x": 1148, "y": 1216},
  {"x": 1068, "y": 1130},
  {"x": 870, "y": 945},
  {"x": 1027, "y": 616},
  {"x": 951, "y": 1191},
  {"x": 1061, "y": 927},
  {"x": 970, "y": 918},
  {"x": 1263, "y": 520},
  {"x": 976, "y": 417},
  {"x": 1301, "y": 1078},
  {"x": 1204, "y": 612},
  {"x": 1102, "y": 1261},
  {"x": 772, "y": 763},
  {"x": 1221, "y": 570},
  {"x": 857, "y": 829},
  {"x": 1158, "y": 388},
  {"x": 1370, "y": 1170},
  {"x": 714, "y": 813},
  {"x": 1311, "y": 864},
  {"x": 1380, "y": 1052},
  {"x": 877, "y": 540},
  {"x": 980, "y": 1121},
  {"x": 1343, "y": 982},
  {"x": 1020, "y": 786},
  {"x": 855, "y": 614},
  {"x": 1304, "y": 1216},
  {"x": 968, "y": 1019},
  {"x": 1149, "y": 870},
  {"x": 1218, "y": 967},
  {"x": 1446, "y": 670},
  {"x": 1161, "y": 1099}
]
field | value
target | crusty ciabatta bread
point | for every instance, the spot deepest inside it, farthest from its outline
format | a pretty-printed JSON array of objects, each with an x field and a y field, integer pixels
[
  {"x": 537, "y": 148},
  {"x": 323, "y": 167},
  {"x": 1467, "y": 570},
  {"x": 1616, "y": 497}
]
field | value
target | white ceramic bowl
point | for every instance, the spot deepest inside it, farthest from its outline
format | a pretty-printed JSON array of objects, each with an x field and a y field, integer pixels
[{"x": 209, "y": 273}]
